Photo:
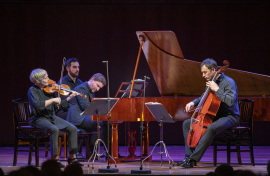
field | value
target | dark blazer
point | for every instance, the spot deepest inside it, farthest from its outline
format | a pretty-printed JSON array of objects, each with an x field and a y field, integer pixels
[
  {"x": 68, "y": 81},
  {"x": 79, "y": 104}
]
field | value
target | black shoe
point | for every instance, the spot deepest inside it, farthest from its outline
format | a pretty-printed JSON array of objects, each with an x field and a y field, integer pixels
[
  {"x": 80, "y": 155},
  {"x": 180, "y": 162},
  {"x": 75, "y": 162},
  {"x": 189, "y": 163},
  {"x": 59, "y": 163}
]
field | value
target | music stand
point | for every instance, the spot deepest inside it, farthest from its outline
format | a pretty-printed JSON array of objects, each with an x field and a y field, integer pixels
[
  {"x": 141, "y": 170},
  {"x": 138, "y": 84},
  {"x": 162, "y": 116},
  {"x": 135, "y": 92},
  {"x": 99, "y": 106}
]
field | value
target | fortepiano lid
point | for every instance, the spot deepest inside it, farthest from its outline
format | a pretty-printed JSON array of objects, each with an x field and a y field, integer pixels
[{"x": 176, "y": 76}]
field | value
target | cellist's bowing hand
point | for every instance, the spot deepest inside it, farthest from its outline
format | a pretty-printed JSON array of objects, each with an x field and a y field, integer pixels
[
  {"x": 73, "y": 94},
  {"x": 189, "y": 106},
  {"x": 212, "y": 85}
]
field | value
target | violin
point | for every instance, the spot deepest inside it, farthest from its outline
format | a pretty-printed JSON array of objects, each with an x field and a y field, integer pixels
[
  {"x": 65, "y": 89},
  {"x": 206, "y": 111}
]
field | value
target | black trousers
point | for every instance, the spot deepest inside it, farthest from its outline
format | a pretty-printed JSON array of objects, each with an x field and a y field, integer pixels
[
  {"x": 89, "y": 126},
  {"x": 213, "y": 129},
  {"x": 53, "y": 130}
]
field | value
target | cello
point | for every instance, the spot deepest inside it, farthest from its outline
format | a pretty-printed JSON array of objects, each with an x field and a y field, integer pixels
[{"x": 205, "y": 112}]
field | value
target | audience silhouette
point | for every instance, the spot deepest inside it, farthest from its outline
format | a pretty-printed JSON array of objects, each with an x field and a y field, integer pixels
[
  {"x": 73, "y": 170},
  {"x": 224, "y": 170},
  {"x": 52, "y": 168}
]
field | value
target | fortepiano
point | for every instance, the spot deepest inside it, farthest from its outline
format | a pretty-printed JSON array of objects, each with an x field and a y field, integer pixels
[{"x": 179, "y": 81}]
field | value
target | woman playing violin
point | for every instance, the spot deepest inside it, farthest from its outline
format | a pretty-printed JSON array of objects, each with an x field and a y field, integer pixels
[
  {"x": 227, "y": 115},
  {"x": 43, "y": 106}
]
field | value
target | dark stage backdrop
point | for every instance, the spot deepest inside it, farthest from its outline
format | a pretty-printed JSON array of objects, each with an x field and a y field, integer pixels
[{"x": 38, "y": 34}]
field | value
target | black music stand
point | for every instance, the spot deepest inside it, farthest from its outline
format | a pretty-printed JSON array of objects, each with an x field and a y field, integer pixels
[
  {"x": 138, "y": 84},
  {"x": 99, "y": 106},
  {"x": 162, "y": 116}
]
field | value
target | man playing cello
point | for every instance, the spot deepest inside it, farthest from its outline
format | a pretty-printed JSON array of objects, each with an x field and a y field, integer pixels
[{"x": 227, "y": 115}]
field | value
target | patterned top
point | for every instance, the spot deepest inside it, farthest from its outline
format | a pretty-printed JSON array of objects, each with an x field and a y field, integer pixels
[{"x": 228, "y": 95}]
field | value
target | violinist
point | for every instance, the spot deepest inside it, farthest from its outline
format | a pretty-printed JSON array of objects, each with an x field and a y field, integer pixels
[
  {"x": 227, "y": 115},
  {"x": 43, "y": 116}
]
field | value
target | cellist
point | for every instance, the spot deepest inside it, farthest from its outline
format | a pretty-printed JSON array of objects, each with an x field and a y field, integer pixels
[{"x": 227, "y": 115}]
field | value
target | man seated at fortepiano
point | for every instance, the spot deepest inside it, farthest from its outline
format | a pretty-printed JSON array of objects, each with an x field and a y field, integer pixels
[
  {"x": 79, "y": 104},
  {"x": 227, "y": 115}
]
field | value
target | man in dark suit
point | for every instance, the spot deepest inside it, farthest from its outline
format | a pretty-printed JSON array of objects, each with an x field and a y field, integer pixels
[{"x": 79, "y": 104}]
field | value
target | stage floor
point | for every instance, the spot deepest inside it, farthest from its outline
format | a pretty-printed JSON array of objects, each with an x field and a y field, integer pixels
[{"x": 261, "y": 154}]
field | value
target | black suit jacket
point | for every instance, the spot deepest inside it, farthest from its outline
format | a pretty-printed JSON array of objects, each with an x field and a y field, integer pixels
[{"x": 79, "y": 104}]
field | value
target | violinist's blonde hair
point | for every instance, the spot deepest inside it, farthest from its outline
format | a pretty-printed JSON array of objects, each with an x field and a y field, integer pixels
[{"x": 37, "y": 75}]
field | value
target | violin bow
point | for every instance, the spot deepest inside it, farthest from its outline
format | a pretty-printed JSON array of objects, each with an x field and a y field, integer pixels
[{"x": 63, "y": 64}]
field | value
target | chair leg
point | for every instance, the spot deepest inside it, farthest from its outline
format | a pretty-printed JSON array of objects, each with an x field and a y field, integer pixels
[
  {"x": 251, "y": 154},
  {"x": 87, "y": 148},
  {"x": 59, "y": 145},
  {"x": 37, "y": 151},
  {"x": 229, "y": 152},
  {"x": 65, "y": 145},
  {"x": 80, "y": 145},
  {"x": 15, "y": 152},
  {"x": 30, "y": 153},
  {"x": 215, "y": 153},
  {"x": 46, "y": 149},
  {"x": 238, "y": 154}
]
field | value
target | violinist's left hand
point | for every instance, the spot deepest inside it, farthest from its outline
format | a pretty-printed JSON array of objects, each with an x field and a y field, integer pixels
[
  {"x": 73, "y": 94},
  {"x": 212, "y": 85}
]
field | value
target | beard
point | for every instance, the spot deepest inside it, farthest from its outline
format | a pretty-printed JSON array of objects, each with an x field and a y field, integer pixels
[{"x": 74, "y": 74}]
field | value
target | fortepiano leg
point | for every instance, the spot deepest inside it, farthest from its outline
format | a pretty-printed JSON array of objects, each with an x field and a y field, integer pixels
[
  {"x": 146, "y": 140},
  {"x": 114, "y": 142}
]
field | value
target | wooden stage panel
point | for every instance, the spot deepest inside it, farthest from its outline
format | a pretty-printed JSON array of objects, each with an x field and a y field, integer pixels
[{"x": 261, "y": 154}]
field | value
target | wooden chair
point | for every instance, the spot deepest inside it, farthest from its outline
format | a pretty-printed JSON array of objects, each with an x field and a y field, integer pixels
[
  {"x": 62, "y": 141},
  {"x": 83, "y": 137},
  {"x": 26, "y": 134},
  {"x": 240, "y": 135}
]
